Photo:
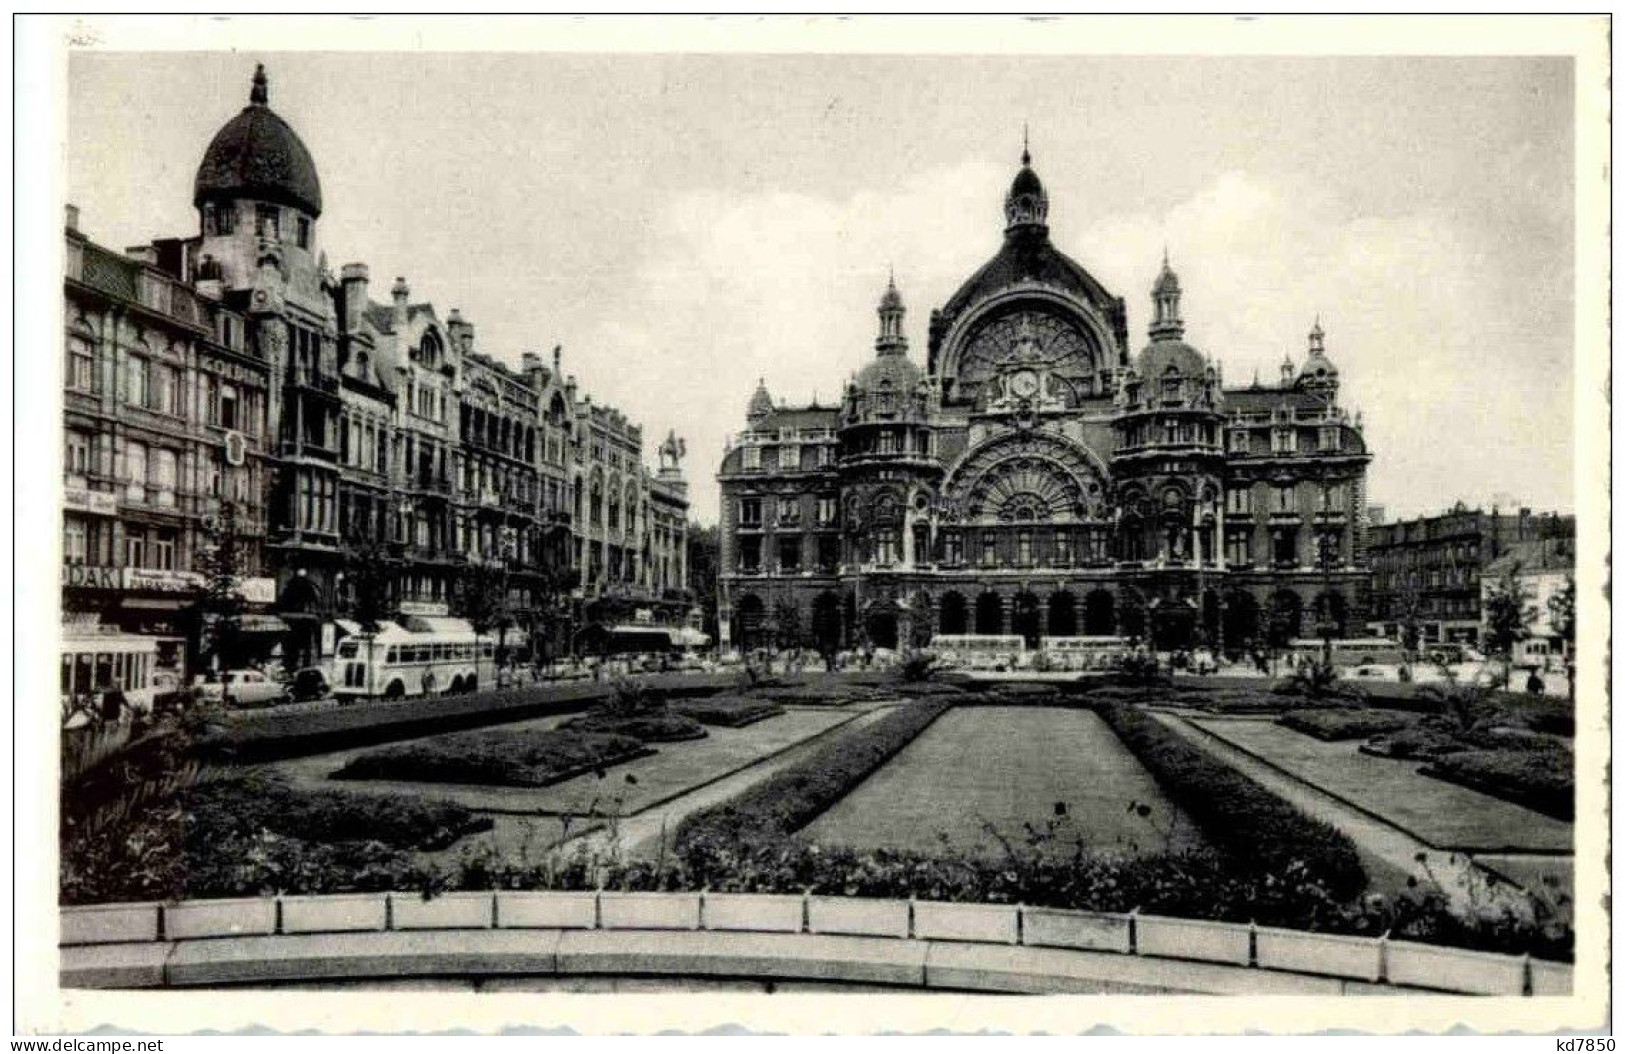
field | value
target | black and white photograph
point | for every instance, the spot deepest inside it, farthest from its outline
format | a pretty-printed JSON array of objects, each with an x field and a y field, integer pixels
[{"x": 1047, "y": 516}]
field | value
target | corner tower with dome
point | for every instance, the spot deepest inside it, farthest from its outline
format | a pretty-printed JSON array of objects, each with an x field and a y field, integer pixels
[{"x": 1036, "y": 478}]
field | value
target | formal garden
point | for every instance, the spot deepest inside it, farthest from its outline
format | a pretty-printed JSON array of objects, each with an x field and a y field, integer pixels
[{"x": 1090, "y": 795}]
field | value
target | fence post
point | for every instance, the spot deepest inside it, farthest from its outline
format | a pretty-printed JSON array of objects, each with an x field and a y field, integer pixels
[
  {"x": 701, "y": 923},
  {"x": 806, "y": 910},
  {"x": 1382, "y": 958},
  {"x": 1134, "y": 931},
  {"x": 910, "y": 918},
  {"x": 1021, "y": 924},
  {"x": 598, "y": 908}
]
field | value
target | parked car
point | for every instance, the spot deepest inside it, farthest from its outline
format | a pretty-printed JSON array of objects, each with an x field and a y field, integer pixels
[
  {"x": 244, "y": 687},
  {"x": 308, "y": 684},
  {"x": 141, "y": 700}
]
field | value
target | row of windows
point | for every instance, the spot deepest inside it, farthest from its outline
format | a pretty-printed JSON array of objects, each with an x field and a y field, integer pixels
[
  {"x": 504, "y": 435},
  {"x": 804, "y": 458},
  {"x": 1434, "y": 579},
  {"x": 1286, "y": 440},
  {"x": 787, "y": 511},
  {"x": 220, "y": 218},
  {"x": 159, "y": 387},
  {"x": 90, "y": 542},
  {"x": 1284, "y": 499}
]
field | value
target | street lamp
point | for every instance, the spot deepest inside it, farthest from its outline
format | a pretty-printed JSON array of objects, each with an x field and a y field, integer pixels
[{"x": 1327, "y": 543}]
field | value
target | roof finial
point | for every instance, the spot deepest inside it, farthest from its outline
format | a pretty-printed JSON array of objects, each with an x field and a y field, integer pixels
[
  {"x": 1165, "y": 266},
  {"x": 260, "y": 94},
  {"x": 1026, "y": 154}
]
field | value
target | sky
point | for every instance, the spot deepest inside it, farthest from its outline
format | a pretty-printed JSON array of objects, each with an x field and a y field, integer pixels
[{"x": 685, "y": 223}]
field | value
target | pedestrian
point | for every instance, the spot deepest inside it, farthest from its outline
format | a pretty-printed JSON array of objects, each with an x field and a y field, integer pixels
[
  {"x": 112, "y": 702},
  {"x": 1535, "y": 686}
]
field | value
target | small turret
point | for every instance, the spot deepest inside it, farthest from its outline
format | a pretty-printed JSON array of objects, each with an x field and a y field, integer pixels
[{"x": 761, "y": 402}]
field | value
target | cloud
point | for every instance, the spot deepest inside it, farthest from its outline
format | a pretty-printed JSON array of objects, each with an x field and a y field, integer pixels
[{"x": 1436, "y": 340}]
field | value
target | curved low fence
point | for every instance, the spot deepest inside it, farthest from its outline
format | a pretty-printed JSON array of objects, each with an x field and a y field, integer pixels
[{"x": 905, "y": 943}]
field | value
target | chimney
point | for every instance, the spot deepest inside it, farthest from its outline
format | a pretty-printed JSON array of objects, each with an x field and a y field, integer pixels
[
  {"x": 353, "y": 279},
  {"x": 530, "y": 364},
  {"x": 400, "y": 292},
  {"x": 570, "y": 389},
  {"x": 147, "y": 254},
  {"x": 461, "y": 332},
  {"x": 71, "y": 217}
]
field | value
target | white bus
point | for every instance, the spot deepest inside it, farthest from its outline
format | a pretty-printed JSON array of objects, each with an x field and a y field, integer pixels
[
  {"x": 1360, "y": 651},
  {"x": 1084, "y": 653},
  {"x": 978, "y": 651},
  {"x": 435, "y": 657}
]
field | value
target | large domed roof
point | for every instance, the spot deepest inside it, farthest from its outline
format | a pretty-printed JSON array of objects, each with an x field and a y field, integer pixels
[
  {"x": 1027, "y": 256},
  {"x": 257, "y": 155},
  {"x": 1154, "y": 361},
  {"x": 899, "y": 370}
]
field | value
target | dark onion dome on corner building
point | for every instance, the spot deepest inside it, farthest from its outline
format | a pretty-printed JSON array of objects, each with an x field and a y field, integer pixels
[
  {"x": 1027, "y": 254},
  {"x": 256, "y": 155}
]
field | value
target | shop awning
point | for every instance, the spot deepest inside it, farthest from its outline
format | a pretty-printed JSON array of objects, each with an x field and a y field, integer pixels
[{"x": 262, "y": 624}]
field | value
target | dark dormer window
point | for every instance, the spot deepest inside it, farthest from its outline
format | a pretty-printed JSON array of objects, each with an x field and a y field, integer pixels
[
  {"x": 1170, "y": 385},
  {"x": 302, "y": 232},
  {"x": 267, "y": 222}
]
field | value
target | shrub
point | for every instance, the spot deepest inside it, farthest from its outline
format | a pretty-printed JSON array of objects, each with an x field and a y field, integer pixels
[
  {"x": 244, "y": 806},
  {"x": 1314, "y": 679},
  {"x": 794, "y": 796},
  {"x": 522, "y": 757},
  {"x": 1336, "y": 724},
  {"x": 916, "y": 666},
  {"x": 728, "y": 711},
  {"x": 1255, "y": 827},
  {"x": 1419, "y": 742},
  {"x": 647, "y": 727},
  {"x": 1541, "y": 779}
]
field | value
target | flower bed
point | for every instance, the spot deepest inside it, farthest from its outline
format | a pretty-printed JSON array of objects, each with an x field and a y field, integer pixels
[
  {"x": 728, "y": 711},
  {"x": 1256, "y": 828},
  {"x": 1355, "y": 723},
  {"x": 1539, "y": 779},
  {"x": 654, "y": 727},
  {"x": 519, "y": 758},
  {"x": 230, "y": 808}
]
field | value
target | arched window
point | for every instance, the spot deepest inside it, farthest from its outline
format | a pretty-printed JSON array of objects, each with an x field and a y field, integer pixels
[{"x": 429, "y": 350}]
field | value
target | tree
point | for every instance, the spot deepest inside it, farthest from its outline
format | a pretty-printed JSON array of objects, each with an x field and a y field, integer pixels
[
  {"x": 704, "y": 554},
  {"x": 483, "y": 600},
  {"x": 1507, "y": 614},
  {"x": 370, "y": 572},
  {"x": 787, "y": 624},
  {"x": 1408, "y": 612},
  {"x": 1560, "y": 610},
  {"x": 220, "y": 602}
]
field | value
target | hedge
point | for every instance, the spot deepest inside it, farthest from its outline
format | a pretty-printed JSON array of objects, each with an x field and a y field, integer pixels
[
  {"x": 795, "y": 796},
  {"x": 1338, "y": 724},
  {"x": 1254, "y": 826},
  {"x": 647, "y": 727},
  {"x": 1542, "y": 780},
  {"x": 512, "y": 757},
  {"x": 729, "y": 711}
]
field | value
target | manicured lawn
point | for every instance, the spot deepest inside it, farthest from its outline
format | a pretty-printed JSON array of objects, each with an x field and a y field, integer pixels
[
  {"x": 1437, "y": 812},
  {"x": 1008, "y": 767}
]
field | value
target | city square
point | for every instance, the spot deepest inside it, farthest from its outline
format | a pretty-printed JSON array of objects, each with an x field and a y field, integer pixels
[{"x": 1066, "y": 619}]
